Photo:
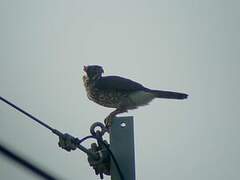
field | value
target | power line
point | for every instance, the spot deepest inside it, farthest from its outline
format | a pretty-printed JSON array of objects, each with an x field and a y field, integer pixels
[
  {"x": 114, "y": 161},
  {"x": 27, "y": 114},
  {"x": 109, "y": 151},
  {"x": 62, "y": 136},
  {"x": 36, "y": 170},
  {"x": 55, "y": 131}
]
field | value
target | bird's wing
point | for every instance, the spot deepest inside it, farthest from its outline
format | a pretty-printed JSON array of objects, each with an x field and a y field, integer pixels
[{"x": 118, "y": 83}]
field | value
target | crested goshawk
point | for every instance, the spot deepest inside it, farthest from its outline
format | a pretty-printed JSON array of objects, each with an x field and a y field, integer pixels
[{"x": 120, "y": 93}]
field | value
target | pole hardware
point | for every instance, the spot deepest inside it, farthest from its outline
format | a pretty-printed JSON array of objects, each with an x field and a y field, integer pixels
[
  {"x": 98, "y": 154},
  {"x": 115, "y": 159}
]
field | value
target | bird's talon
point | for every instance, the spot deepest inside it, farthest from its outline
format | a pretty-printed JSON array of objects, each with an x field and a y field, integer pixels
[{"x": 108, "y": 122}]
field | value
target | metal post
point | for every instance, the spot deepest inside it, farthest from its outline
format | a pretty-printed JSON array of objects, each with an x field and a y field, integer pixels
[{"x": 122, "y": 146}]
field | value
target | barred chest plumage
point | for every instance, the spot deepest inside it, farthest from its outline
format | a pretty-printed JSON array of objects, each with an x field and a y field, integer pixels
[{"x": 105, "y": 98}]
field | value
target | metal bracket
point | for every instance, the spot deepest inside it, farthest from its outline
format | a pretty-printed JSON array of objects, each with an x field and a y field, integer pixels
[
  {"x": 122, "y": 146},
  {"x": 101, "y": 156}
]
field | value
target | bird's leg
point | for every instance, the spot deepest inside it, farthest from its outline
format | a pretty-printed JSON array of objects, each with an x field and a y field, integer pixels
[{"x": 108, "y": 119}]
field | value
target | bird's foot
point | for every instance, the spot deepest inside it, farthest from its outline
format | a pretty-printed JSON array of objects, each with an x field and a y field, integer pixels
[
  {"x": 108, "y": 119},
  {"x": 108, "y": 122}
]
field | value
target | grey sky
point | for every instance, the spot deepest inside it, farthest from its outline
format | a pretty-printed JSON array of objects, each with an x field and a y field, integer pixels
[{"x": 188, "y": 46}]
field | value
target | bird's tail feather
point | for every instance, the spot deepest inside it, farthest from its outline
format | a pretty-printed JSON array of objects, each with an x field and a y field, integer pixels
[{"x": 169, "y": 94}]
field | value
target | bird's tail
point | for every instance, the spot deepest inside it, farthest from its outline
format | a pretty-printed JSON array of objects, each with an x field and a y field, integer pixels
[{"x": 169, "y": 94}]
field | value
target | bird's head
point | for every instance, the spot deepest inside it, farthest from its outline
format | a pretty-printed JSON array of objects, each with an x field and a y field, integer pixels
[{"x": 93, "y": 71}]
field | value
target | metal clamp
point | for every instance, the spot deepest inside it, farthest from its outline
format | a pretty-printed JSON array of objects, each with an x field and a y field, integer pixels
[
  {"x": 102, "y": 130},
  {"x": 98, "y": 155},
  {"x": 101, "y": 165},
  {"x": 67, "y": 142}
]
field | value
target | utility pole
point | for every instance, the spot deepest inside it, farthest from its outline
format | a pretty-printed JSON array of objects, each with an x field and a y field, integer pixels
[{"x": 122, "y": 146}]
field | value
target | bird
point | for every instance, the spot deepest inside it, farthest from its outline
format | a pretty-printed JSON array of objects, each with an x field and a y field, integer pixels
[{"x": 120, "y": 93}]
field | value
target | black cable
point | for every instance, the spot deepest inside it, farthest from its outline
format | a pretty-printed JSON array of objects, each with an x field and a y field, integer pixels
[
  {"x": 85, "y": 138},
  {"x": 27, "y": 114},
  {"x": 36, "y": 170},
  {"x": 59, "y": 133},
  {"x": 114, "y": 161},
  {"x": 109, "y": 151},
  {"x": 55, "y": 131}
]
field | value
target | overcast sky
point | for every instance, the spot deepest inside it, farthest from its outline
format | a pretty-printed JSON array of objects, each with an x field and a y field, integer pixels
[{"x": 187, "y": 46}]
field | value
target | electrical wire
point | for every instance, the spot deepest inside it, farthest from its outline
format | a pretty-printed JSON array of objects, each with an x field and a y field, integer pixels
[
  {"x": 85, "y": 138},
  {"x": 59, "y": 133},
  {"x": 109, "y": 151},
  {"x": 36, "y": 170},
  {"x": 114, "y": 161},
  {"x": 55, "y": 131},
  {"x": 27, "y": 114}
]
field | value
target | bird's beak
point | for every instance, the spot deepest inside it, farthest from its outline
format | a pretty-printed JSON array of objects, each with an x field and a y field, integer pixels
[{"x": 85, "y": 68}]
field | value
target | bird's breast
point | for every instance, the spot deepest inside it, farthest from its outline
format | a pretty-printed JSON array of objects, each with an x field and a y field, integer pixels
[{"x": 105, "y": 98}]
